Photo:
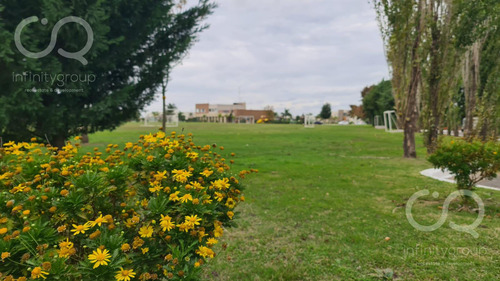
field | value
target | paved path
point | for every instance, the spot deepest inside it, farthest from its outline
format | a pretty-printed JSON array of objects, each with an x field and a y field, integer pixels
[{"x": 447, "y": 177}]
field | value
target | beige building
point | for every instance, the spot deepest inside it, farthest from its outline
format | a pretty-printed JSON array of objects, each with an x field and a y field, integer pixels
[
  {"x": 341, "y": 114},
  {"x": 224, "y": 113},
  {"x": 206, "y": 109}
]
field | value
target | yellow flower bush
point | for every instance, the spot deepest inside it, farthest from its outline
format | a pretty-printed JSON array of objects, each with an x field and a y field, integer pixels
[{"x": 152, "y": 210}]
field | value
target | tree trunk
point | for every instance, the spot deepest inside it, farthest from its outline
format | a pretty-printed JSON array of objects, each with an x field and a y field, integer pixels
[
  {"x": 483, "y": 133},
  {"x": 85, "y": 138},
  {"x": 433, "y": 101},
  {"x": 471, "y": 81},
  {"x": 164, "y": 113},
  {"x": 411, "y": 116},
  {"x": 59, "y": 141}
]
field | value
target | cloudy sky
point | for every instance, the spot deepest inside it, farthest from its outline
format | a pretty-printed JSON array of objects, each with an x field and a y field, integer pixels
[{"x": 295, "y": 54}]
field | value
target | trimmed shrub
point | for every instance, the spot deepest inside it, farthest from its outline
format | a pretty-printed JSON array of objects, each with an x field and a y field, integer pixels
[{"x": 470, "y": 161}]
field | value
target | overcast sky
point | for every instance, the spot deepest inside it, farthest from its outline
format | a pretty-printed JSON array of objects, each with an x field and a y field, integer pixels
[{"x": 295, "y": 54}]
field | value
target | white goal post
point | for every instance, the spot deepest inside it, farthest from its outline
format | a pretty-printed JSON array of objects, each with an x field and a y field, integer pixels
[
  {"x": 390, "y": 122},
  {"x": 309, "y": 121},
  {"x": 172, "y": 119}
]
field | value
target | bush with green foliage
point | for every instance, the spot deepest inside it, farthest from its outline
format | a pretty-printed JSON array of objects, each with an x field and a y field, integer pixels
[
  {"x": 152, "y": 210},
  {"x": 470, "y": 161}
]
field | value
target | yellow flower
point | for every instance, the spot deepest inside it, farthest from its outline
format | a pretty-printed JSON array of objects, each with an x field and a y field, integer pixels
[
  {"x": 79, "y": 229},
  {"x": 124, "y": 274},
  {"x": 146, "y": 231},
  {"x": 230, "y": 203},
  {"x": 66, "y": 244},
  {"x": 218, "y": 231},
  {"x": 66, "y": 252},
  {"x": 183, "y": 227},
  {"x": 37, "y": 272},
  {"x": 211, "y": 241},
  {"x": 173, "y": 144},
  {"x": 219, "y": 196},
  {"x": 192, "y": 155},
  {"x": 138, "y": 242},
  {"x": 69, "y": 148},
  {"x": 221, "y": 184},
  {"x": 3, "y": 230},
  {"x": 230, "y": 214},
  {"x": 65, "y": 172},
  {"x": 174, "y": 196},
  {"x": 129, "y": 145},
  {"x": 125, "y": 247},
  {"x": 155, "y": 188},
  {"x": 98, "y": 221},
  {"x": 95, "y": 234},
  {"x": 144, "y": 250},
  {"x": 205, "y": 252},
  {"x": 166, "y": 223},
  {"x": 160, "y": 175},
  {"x": 181, "y": 175},
  {"x": 10, "y": 143},
  {"x": 206, "y": 173},
  {"x": 5, "y": 255},
  {"x": 150, "y": 138},
  {"x": 99, "y": 257},
  {"x": 201, "y": 234},
  {"x": 192, "y": 220},
  {"x": 17, "y": 189},
  {"x": 196, "y": 185},
  {"x": 187, "y": 197}
]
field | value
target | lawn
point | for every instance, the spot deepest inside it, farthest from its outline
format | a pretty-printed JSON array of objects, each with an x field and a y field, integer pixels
[{"x": 328, "y": 204}]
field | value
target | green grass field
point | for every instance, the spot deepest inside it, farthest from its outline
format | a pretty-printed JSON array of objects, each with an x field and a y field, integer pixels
[{"x": 324, "y": 201}]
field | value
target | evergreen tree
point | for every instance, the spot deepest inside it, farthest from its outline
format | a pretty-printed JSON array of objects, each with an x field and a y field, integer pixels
[
  {"x": 135, "y": 43},
  {"x": 326, "y": 111}
]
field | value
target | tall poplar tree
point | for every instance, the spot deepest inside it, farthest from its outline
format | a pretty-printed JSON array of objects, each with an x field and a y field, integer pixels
[{"x": 402, "y": 26}]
